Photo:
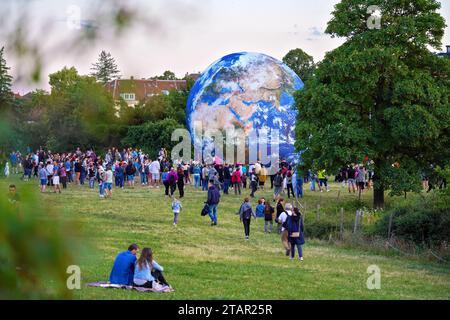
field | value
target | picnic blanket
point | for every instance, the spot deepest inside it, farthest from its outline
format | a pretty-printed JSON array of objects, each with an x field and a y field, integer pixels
[{"x": 103, "y": 284}]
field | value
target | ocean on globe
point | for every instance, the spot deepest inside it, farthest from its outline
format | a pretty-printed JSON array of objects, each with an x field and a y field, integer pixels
[{"x": 248, "y": 91}]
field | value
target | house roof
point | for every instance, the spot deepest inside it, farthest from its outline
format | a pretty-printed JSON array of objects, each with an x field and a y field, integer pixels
[{"x": 144, "y": 88}]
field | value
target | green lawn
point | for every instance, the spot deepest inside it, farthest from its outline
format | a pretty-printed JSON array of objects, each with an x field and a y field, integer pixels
[{"x": 204, "y": 262}]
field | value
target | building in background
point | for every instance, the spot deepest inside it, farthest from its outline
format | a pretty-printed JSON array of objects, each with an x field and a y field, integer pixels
[
  {"x": 134, "y": 91},
  {"x": 445, "y": 54}
]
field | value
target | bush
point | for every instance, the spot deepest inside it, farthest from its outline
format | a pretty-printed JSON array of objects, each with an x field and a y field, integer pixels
[{"x": 422, "y": 223}]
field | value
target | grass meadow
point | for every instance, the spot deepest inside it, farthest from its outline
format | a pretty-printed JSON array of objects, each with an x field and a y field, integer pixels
[{"x": 204, "y": 262}]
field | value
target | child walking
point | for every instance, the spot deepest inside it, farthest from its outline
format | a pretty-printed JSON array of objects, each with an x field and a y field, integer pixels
[{"x": 176, "y": 208}]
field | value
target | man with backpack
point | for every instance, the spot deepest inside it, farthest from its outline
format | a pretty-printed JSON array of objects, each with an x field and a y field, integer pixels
[
  {"x": 282, "y": 219},
  {"x": 212, "y": 201},
  {"x": 245, "y": 213},
  {"x": 253, "y": 182}
]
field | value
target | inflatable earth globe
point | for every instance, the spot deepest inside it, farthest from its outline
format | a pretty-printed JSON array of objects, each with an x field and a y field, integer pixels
[{"x": 248, "y": 91}]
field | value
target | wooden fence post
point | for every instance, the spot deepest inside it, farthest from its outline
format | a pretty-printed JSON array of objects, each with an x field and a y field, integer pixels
[
  {"x": 390, "y": 225},
  {"x": 355, "y": 225},
  {"x": 341, "y": 231}
]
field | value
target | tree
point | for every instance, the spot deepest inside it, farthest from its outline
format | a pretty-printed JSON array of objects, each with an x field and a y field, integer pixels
[
  {"x": 63, "y": 80},
  {"x": 5, "y": 80},
  {"x": 152, "y": 135},
  {"x": 301, "y": 62},
  {"x": 105, "y": 69},
  {"x": 382, "y": 94}
]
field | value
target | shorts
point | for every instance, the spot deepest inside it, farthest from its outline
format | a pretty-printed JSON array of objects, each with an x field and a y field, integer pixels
[
  {"x": 351, "y": 181},
  {"x": 56, "y": 180},
  {"x": 130, "y": 178},
  {"x": 155, "y": 176},
  {"x": 43, "y": 182},
  {"x": 361, "y": 185},
  {"x": 107, "y": 185}
]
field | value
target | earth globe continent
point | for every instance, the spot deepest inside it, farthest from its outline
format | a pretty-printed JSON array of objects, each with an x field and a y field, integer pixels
[{"x": 248, "y": 91}]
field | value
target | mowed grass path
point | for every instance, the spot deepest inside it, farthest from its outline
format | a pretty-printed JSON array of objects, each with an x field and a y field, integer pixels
[{"x": 204, "y": 262}]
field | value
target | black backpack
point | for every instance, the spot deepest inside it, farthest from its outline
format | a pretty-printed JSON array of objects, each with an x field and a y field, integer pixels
[
  {"x": 285, "y": 223},
  {"x": 247, "y": 214},
  {"x": 278, "y": 181}
]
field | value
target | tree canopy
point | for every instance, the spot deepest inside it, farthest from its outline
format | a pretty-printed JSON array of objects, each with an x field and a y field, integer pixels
[
  {"x": 301, "y": 63},
  {"x": 382, "y": 94},
  {"x": 105, "y": 69}
]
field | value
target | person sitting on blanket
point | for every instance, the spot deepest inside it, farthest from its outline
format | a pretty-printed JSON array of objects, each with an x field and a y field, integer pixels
[
  {"x": 148, "y": 273},
  {"x": 123, "y": 270}
]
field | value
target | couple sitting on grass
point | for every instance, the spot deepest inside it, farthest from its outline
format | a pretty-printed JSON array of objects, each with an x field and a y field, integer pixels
[{"x": 143, "y": 272}]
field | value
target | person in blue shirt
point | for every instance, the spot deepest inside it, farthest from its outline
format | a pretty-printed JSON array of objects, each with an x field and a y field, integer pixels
[
  {"x": 123, "y": 269},
  {"x": 67, "y": 164},
  {"x": 260, "y": 208},
  {"x": 148, "y": 273}
]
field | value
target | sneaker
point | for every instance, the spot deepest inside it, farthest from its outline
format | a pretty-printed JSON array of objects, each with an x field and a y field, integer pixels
[
  {"x": 246, "y": 238},
  {"x": 301, "y": 258},
  {"x": 288, "y": 252}
]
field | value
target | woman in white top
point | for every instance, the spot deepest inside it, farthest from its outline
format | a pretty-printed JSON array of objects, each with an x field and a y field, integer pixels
[{"x": 143, "y": 276}]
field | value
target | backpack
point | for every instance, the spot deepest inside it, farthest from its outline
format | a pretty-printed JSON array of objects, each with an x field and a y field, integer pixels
[
  {"x": 233, "y": 178},
  {"x": 278, "y": 181},
  {"x": 285, "y": 224},
  {"x": 247, "y": 214},
  {"x": 171, "y": 179},
  {"x": 205, "y": 210}
]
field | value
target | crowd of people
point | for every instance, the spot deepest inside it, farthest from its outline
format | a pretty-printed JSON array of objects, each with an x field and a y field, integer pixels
[{"x": 127, "y": 167}]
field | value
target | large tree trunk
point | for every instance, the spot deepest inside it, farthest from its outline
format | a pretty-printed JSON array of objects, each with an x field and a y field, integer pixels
[
  {"x": 378, "y": 186},
  {"x": 378, "y": 197}
]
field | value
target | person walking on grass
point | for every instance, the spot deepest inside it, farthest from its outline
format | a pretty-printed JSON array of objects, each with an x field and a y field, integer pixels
[
  {"x": 236, "y": 181},
  {"x": 172, "y": 179},
  {"x": 351, "y": 174},
  {"x": 253, "y": 182},
  {"x": 213, "y": 201},
  {"x": 259, "y": 210},
  {"x": 6, "y": 170},
  {"x": 268, "y": 217},
  {"x": 42, "y": 177},
  {"x": 176, "y": 209},
  {"x": 56, "y": 178},
  {"x": 130, "y": 171},
  {"x": 278, "y": 185},
  {"x": 245, "y": 213},
  {"x": 295, "y": 233},
  {"x": 108, "y": 181},
  {"x": 282, "y": 220},
  {"x": 323, "y": 180},
  {"x": 63, "y": 175},
  {"x": 181, "y": 180},
  {"x": 100, "y": 180},
  {"x": 280, "y": 210}
]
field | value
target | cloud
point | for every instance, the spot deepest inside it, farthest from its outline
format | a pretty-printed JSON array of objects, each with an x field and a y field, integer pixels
[{"x": 314, "y": 33}]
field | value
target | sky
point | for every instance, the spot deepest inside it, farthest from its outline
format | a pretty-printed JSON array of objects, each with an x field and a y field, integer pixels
[{"x": 183, "y": 36}]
